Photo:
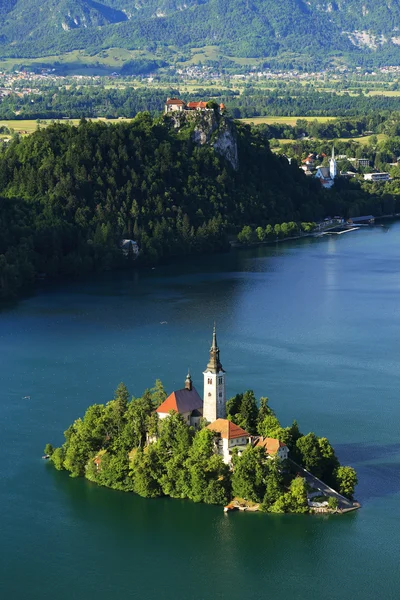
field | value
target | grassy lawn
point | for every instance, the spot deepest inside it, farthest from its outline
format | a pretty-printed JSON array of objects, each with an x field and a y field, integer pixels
[
  {"x": 29, "y": 126},
  {"x": 364, "y": 140},
  {"x": 284, "y": 120}
]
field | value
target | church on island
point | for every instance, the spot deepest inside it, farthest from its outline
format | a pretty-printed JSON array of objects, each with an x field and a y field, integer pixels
[{"x": 212, "y": 409}]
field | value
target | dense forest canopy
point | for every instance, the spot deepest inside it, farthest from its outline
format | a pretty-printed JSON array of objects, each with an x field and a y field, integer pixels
[{"x": 363, "y": 29}]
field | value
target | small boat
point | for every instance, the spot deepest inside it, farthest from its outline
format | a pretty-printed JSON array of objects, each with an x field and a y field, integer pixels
[{"x": 46, "y": 456}]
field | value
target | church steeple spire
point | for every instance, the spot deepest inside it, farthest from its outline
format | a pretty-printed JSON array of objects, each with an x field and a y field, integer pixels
[
  {"x": 332, "y": 165},
  {"x": 214, "y": 364},
  {"x": 188, "y": 382},
  {"x": 214, "y": 406}
]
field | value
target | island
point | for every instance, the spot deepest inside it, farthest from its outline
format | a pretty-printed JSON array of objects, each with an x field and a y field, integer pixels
[{"x": 233, "y": 453}]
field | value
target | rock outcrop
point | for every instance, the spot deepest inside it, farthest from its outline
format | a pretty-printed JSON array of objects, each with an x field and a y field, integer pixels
[{"x": 209, "y": 128}]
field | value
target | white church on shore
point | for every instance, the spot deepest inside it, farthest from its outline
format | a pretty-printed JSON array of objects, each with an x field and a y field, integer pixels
[
  {"x": 212, "y": 408},
  {"x": 327, "y": 175}
]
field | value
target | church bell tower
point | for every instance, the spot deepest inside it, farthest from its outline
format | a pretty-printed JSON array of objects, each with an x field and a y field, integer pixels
[
  {"x": 214, "y": 405},
  {"x": 332, "y": 165}
]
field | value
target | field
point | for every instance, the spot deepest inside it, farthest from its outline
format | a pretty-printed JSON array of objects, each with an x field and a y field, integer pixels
[
  {"x": 284, "y": 120},
  {"x": 363, "y": 140},
  {"x": 25, "y": 127}
]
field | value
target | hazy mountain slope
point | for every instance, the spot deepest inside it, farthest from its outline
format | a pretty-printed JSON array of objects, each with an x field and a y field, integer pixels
[{"x": 240, "y": 27}]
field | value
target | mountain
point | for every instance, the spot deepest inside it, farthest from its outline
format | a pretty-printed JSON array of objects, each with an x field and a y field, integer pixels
[{"x": 246, "y": 28}]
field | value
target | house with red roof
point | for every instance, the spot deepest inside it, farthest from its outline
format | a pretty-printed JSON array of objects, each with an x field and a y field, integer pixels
[
  {"x": 186, "y": 401},
  {"x": 274, "y": 448},
  {"x": 228, "y": 436}
]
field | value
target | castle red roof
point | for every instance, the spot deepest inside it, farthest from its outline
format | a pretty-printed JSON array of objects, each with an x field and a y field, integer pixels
[
  {"x": 197, "y": 104},
  {"x": 175, "y": 101},
  {"x": 181, "y": 401},
  {"x": 227, "y": 429}
]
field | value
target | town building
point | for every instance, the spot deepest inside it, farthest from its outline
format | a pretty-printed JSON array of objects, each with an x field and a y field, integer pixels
[
  {"x": 228, "y": 437},
  {"x": 214, "y": 385},
  {"x": 362, "y": 162},
  {"x": 274, "y": 448},
  {"x": 186, "y": 402},
  {"x": 376, "y": 177}
]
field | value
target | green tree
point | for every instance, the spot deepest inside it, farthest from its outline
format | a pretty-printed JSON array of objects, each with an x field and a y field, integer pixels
[
  {"x": 250, "y": 473},
  {"x": 346, "y": 480},
  {"x": 158, "y": 393},
  {"x": 48, "y": 449}
]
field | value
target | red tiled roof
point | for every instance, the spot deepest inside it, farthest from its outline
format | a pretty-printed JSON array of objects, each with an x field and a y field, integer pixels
[
  {"x": 270, "y": 444},
  {"x": 200, "y": 104},
  {"x": 227, "y": 429},
  {"x": 175, "y": 101},
  {"x": 181, "y": 401}
]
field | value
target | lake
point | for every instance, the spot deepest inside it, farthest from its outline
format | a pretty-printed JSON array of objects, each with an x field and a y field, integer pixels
[{"x": 312, "y": 324}]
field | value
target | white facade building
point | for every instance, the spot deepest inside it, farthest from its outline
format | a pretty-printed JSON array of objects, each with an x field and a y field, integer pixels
[
  {"x": 214, "y": 398},
  {"x": 228, "y": 437},
  {"x": 332, "y": 165}
]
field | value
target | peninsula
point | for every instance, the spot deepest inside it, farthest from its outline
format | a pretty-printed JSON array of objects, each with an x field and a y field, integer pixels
[{"x": 205, "y": 449}]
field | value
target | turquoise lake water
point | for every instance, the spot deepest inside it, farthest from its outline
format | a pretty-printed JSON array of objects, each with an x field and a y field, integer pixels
[{"x": 314, "y": 324}]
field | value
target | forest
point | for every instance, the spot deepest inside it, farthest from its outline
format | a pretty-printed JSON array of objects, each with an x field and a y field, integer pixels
[
  {"x": 294, "y": 31},
  {"x": 87, "y": 101},
  {"x": 111, "y": 446},
  {"x": 70, "y": 194}
]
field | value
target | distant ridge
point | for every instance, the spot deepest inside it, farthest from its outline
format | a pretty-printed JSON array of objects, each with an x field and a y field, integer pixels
[{"x": 247, "y": 28}]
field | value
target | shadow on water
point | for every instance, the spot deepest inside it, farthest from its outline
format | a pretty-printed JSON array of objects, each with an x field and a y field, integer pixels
[{"x": 377, "y": 466}]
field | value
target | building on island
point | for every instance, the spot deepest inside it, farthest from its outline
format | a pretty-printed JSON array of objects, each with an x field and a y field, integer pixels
[
  {"x": 212, "y": 409},
  {"x": 274, "y": 448},
  {"x": 214, "y": 385},
  {"x": 186, "y": 401},
  {"x": 327, "y": 175},
  {"x": 228, "y": 437}
]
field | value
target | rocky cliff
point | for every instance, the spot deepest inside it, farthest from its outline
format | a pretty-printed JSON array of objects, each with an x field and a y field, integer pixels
[{"x": 211, "y": 128}]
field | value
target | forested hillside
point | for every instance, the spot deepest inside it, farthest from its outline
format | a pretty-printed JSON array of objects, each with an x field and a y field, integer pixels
[
  {"x": 69, "y": 194},
  {"x": 258, "y": 29}
]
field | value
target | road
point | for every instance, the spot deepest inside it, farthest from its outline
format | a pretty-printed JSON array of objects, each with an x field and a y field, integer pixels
[{"x": 323, "y": 487}]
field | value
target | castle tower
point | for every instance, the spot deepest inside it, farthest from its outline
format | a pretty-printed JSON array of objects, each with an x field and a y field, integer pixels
[
  {"x": 332, "y": 165},
  {"x": 214, "y": 405}
]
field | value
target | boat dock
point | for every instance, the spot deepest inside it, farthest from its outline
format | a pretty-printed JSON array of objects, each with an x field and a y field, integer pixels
[{"x": 339, "y": 232}]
